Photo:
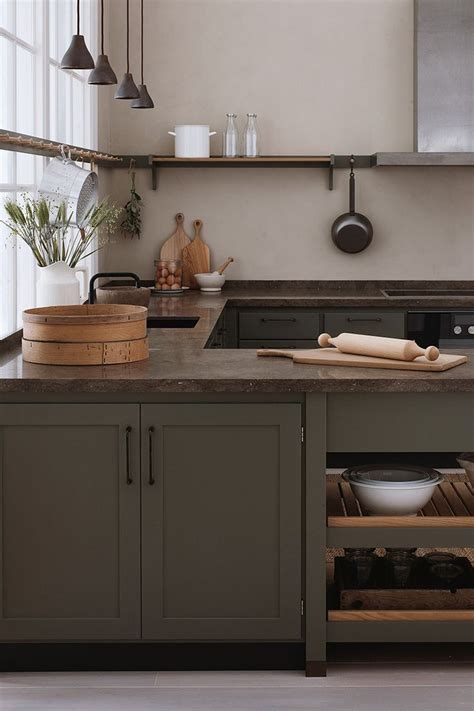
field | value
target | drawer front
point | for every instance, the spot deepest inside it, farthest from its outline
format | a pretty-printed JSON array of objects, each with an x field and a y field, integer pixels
[
  {"x": 371, "y": 323},
  {"x": 279, "y": 324},
  {"x": 290, "y": 343}
]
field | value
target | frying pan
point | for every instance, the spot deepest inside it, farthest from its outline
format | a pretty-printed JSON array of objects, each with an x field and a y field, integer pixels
[{"x": 352, "y": 232}]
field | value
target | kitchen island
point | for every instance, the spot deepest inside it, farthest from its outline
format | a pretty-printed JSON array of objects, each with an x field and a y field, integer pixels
[{"x": 186, "y": 496}]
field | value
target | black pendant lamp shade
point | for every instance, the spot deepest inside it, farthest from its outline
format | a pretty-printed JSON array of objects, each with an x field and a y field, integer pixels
[
  {"x": 127, "y": 88},
  {"x": 77, "y": 55},
  {"x": 144, "y": 101},
  {"x": 103, "y": 72}
]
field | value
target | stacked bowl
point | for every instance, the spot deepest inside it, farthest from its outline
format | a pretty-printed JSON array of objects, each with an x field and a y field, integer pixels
[{"x": 392, "y": 490}]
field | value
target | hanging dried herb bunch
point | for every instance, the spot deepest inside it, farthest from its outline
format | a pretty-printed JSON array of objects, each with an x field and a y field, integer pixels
[{"x": 131, "y": 225}]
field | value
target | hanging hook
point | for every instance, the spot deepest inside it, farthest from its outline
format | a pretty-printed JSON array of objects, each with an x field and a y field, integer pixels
[{"x": 352, "y": 163}]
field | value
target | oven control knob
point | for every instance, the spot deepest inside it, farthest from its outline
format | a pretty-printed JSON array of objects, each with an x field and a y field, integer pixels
[
  {"x": 457, "y": 330},
  {"x": 470, "y": 330}
]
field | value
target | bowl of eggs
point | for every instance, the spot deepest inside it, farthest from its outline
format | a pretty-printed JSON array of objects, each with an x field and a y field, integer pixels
[{"x": 168, "y": 277}]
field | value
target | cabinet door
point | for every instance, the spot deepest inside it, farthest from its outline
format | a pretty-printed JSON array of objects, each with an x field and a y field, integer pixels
[
  {"x": 70, "y": 522},
  {"x": 221, "y": 517},
  {"x": 371, "y": 323}
]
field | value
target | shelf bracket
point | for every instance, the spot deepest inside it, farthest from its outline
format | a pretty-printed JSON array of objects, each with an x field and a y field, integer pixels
[
  {"x": 331, "y": 172},
  {"x": 155, "y": 176}
]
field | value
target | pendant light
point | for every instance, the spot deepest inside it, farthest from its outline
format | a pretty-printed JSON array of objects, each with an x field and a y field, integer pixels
[
  {"x": 77, "y": 55},
  {"x": 128, "y": 88},
  {"x": 144, "y": 101},
  {"x": 103, "y": 72}
]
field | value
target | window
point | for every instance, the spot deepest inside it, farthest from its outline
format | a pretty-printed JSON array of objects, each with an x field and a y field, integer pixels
[{"x": 40, "y": 99}]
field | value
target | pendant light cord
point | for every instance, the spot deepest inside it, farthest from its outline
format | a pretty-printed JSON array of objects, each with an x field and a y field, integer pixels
[
  {"x": 78, "y": 16},
  {"x": 128, "y": 36},
  {"x": 102, "y": 26},
  {"x": 142, "y": 39}
]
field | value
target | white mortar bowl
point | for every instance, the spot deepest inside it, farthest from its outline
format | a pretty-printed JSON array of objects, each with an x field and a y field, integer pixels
[
  {"x": 210, "y": 282},
  {"x": 392, "y": 501}
]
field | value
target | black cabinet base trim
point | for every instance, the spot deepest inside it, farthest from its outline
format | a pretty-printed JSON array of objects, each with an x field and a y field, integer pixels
[
  {"x": 314, "y": 668},
  {"x": 150, "y": 656}
]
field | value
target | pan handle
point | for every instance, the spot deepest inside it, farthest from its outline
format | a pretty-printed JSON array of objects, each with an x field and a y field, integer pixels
[
  {"x": 352, "y": 186},
  {"x": 129, "y": 275}
]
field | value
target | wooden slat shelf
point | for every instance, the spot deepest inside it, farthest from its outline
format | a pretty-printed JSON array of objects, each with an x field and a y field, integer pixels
[
  {"x": 400, "y": 615},
  {"x": 452, "y": 506}
]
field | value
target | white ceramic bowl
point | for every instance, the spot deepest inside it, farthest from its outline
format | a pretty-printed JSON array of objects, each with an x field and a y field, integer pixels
[
  {"x": 390, "y": 501},
  {"x": 210, "y": 282}
]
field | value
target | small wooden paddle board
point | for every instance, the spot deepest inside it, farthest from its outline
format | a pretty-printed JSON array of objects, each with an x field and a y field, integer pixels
[
  {"x": 332, "y": 356},
  {"x": 173, "y": 247},
  {"x": 196, "y": 256}
]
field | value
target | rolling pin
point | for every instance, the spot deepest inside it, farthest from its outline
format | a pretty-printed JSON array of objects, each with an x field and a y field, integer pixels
[{"x": 396, "y": 348}]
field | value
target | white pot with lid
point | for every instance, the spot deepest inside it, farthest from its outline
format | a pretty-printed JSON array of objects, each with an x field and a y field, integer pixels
[{"x": 192, "y": 141}]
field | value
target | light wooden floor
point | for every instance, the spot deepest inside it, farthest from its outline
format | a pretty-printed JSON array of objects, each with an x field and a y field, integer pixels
[{"x": 349, "y": 687}]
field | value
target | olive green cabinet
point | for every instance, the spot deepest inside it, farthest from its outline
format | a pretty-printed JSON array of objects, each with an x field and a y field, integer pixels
[
  {"x": 221, "y": 521},
  {"x": 70, "y": 522}
]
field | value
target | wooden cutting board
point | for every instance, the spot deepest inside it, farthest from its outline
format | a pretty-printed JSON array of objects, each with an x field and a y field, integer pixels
[
  {"x": 332, "y": 356},
  {"x": 196, "y": 256},
  {"x": 173, "y": 247}
]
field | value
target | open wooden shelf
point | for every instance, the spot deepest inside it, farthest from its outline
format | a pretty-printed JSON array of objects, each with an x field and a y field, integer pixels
[
  {"x": 257, "y": 161},
  {"x": 452, "y": 506},
  {"x": 400, "y": 615}
]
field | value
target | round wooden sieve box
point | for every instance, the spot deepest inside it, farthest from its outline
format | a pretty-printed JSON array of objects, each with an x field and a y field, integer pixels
[{"x": 92, "y": 334}]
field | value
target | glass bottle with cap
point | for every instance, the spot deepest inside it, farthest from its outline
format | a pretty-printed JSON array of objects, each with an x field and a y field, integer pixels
[
  {"x": 230, "y": 143},
  {"x": 251, "y": 137}
]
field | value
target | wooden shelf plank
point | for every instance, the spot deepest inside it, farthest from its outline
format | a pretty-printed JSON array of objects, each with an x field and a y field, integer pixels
[
  {"x": 401, "y": 521},
  {"x": 259, "y": 160},
  {"x": 400, "y": 615}
]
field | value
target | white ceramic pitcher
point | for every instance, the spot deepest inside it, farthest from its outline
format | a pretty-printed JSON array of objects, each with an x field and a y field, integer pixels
[{"x": 58, "y": 284}]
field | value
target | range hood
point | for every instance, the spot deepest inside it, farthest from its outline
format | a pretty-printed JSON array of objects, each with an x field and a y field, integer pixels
[
  {"x": 444, "y": 87},
  {"x": 444, "y": 75}
]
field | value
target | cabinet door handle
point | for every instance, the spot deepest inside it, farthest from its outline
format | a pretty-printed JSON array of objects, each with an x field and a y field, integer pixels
[
  {"x": 268, "y": 320},
  {"x": 151, "y": 478},
  {"x": 355, "y": 320},
  {"x": 128, "y": 432}
]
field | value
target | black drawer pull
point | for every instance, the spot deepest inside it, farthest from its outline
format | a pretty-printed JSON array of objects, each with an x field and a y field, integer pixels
[
  {"x": 289, "y": 319},
  {"x": 128, "y": 432},
  {"x": 361, "y": 320},
  {"x": 151, "y": 478}
]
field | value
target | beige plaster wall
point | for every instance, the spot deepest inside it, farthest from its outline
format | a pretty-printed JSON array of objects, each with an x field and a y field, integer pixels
[{"x": 324, "y": 76}]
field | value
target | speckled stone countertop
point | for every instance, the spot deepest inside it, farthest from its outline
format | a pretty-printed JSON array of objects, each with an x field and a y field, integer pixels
[{"x": 180, "y": 363}]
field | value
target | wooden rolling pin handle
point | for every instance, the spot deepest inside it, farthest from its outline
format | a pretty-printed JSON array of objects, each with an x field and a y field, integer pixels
[
  {"x": 431, "y": 353},
  {"x": 324, "y": 340}
]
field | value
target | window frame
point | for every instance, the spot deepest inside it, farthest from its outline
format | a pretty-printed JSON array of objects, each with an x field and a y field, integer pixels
[{"x": 41, "y": 51}]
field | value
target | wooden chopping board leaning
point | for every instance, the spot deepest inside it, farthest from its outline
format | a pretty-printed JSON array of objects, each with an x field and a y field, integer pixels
[
  {"x": 360, "y": 351},
  {"x": 173, "y": 247},
  {"x": 196, "y": 256}
]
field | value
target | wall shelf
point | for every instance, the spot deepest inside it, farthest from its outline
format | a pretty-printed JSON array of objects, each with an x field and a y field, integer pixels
[
  {"x": 329, "y": 162},
  {"x": 438, "y": 160}
]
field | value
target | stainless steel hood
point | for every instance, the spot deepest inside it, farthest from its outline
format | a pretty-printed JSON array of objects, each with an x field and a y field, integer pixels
[{"x": 444, "y": 75}]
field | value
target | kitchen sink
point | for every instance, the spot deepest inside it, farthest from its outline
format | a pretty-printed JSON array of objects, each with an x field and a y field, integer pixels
[
  {"x": 427, "y": 293},
  {"x": 172, "y": 321}
]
